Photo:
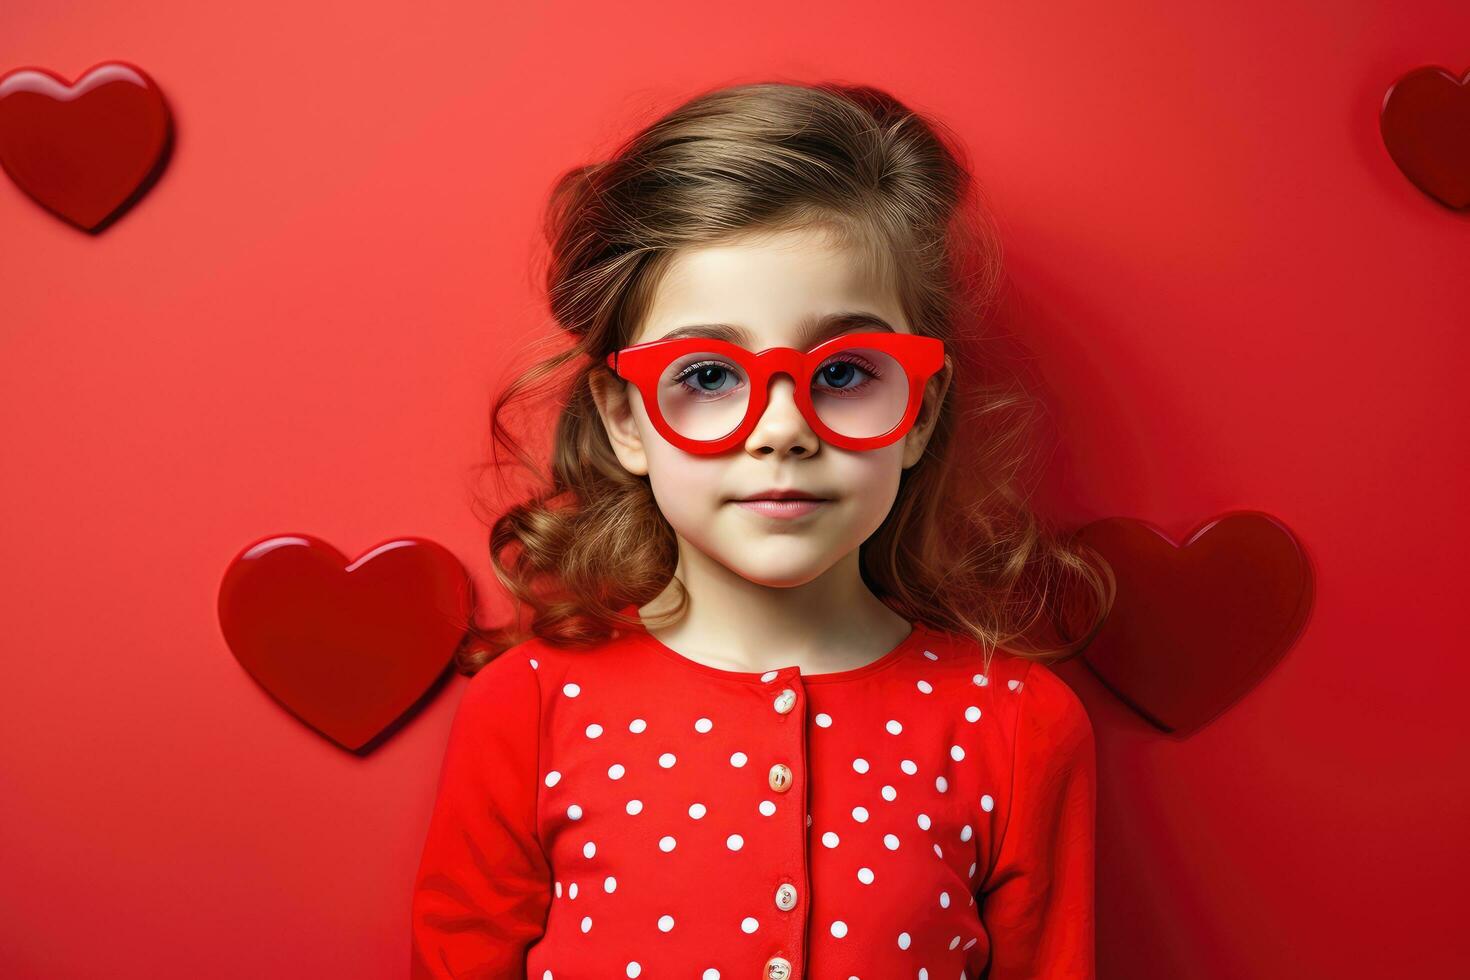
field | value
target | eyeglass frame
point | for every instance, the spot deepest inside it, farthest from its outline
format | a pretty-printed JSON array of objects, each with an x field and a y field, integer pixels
[{"x": 643, "y": 365}]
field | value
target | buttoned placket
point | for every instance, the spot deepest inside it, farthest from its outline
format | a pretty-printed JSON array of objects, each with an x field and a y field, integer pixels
[{"x": 786, "y": 778}]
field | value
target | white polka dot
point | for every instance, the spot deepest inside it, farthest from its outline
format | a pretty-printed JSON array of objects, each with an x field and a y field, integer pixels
[
  {"x": 938, "y": 851},
  {"x": 987, "y": 803},
  {"x": 734, "y": 842},
  {"x": 594, "y": 730},
  {"x": 571, "y": 690},
  {"x": 534, "y": 664},
  {"x": 553, "y": 777},
  {"x": 889, "y": 793},
  {"x": 574, "y": 812},
  {"x": 956, "y": 753},
  {"x": 903, "y": 940},
  {"x": 703, "y": 725},
  {"x": 769, "y": 676},
  {"x": 890, "y": 841},
  {"x": 944, "y": 902},
  {"x": 637, "y": 725},
  {"x": 558, "y": 889},
  {"x": 829, "y": 839},
  {"x": 572, "y": 890},
  {"x": 749, "y": 924},
  {"x": 666, "y": 843},
  {"x": 767, "y": 808},
  {"x": 954, "y": 942},
  {"x": 923, "y": 973},
  {"x": 634, "y": 807},
  {"x": 908, "y": 766},
  {"x": 586, "y": 923},
  {"x": 980, "y": 680},
  {"x": 808, "y": 819},
  {"x": 615, "y": 771},
  {"x": 823, "y": 720},
  {"x": 965, "y": 832},
  {"x": 697, "y": 810},
  {"x": 666, "y": 760},
  {"x": 860, "y": 814},
  {"x": 665, "y": 923},
  {"x": 634, "y": 969},
  {"x": 941, "y": 784},
  {"x": 609, "y": 884},
  {"x": 861, "y": 765},
  {"x": 893, "y": 727},
  {"x": 839, "y": 928},
  {"x": 972, "y": 713},
  {"x": 926, "y": 687},
  {"x": 865, "y": 875},
  {"x": 589, "y": 849},
  {"x": 738, "y": 759},
  {"x": 923, "y": 821},
  {"x": 1013, "y": 684},
  {"x": 710, "y": 974},
  {"x": 931, "y": 654}
]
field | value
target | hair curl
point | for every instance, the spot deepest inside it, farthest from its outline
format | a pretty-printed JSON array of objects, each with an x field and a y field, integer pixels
[{"x": 961, "y": 549}]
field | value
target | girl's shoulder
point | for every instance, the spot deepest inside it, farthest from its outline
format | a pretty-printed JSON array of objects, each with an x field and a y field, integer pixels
[
  {"x": 1009, "y": 681},
  {"x": 555, "y": 665},
  {"x": 987, "y": 666}
]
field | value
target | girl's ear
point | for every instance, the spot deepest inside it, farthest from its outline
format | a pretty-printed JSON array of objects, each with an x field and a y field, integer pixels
[
  {"x": 918, "y": 436},
  {"x": 613, "y": 398}
]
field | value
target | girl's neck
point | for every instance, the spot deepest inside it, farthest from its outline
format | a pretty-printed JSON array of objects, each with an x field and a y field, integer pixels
[{"x": 817, "y": 627}]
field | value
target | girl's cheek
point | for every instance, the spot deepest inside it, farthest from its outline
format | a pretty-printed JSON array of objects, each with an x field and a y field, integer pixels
[{"x": 688, "y": 491}]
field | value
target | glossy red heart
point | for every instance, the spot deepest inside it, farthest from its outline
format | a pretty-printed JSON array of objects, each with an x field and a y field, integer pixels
[
  {"x": 1194, "y": 628},
  {"x": 1425, "y": 122},
  {"x": 347, "y": 648},
  {"x": 88, "y": 151}
]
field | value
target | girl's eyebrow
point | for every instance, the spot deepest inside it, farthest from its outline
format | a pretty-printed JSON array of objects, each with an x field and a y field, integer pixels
[{"x": 814, "y": 328}]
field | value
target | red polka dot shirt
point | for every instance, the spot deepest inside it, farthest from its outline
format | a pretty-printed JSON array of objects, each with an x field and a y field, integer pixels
[{"x": 627, "y": 811}]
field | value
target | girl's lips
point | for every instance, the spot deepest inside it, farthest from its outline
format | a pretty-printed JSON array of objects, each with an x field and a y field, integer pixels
[{"x": 794, "y": 507}]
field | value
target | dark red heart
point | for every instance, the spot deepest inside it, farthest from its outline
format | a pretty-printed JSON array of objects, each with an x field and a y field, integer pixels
[
  {"x": 1425, "y": 123},
  {"x": 1194, "y": 628},
  {"x": 346, "y": 648},
  {"x": 85, "y": 152}
]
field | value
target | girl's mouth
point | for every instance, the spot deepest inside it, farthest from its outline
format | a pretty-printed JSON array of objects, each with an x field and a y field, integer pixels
[{"x": 795, "y": 507}]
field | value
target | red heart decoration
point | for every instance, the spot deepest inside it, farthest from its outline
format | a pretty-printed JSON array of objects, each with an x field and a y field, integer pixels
[
  {"x": 1425, "y": 123},
  {"x": 346, "y": 648},
  {"x": 85, "y": 152},
  {"x": 1194, "y": 628}
]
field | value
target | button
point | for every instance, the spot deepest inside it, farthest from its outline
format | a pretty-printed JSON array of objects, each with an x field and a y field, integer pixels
[
  {"x": 778, "y": 968},
  {"x": 780, "y": 778},
  {"x": 785, "y": 701},
  {"x": 786, "y": 897}
]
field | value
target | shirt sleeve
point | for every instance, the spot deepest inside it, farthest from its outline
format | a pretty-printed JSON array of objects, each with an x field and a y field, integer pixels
[
  {"x": 1037, "y": 900},
  {"x": 483, "y": 887}
]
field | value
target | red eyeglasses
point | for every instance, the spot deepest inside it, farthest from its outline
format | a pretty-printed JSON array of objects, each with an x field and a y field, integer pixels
[{"x": 857, "y": 391}]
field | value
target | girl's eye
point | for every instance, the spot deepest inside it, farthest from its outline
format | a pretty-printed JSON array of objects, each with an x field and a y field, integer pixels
[
  {"x": 846, "y": 373},
  {"x": 707, "y": 377}
]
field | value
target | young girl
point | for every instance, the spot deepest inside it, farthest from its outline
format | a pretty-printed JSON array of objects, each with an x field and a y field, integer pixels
[{"x": 765, "y": 727}]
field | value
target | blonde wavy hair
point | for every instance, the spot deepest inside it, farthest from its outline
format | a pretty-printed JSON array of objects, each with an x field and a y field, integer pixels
[{"x": 960, "y": 550}]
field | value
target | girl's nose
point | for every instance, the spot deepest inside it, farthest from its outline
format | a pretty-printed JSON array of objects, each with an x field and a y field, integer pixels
[{"x": 781, "y": 426}]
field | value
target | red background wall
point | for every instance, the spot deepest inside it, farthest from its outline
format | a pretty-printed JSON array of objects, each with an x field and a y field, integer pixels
[{"x": 1235, "y": 298}]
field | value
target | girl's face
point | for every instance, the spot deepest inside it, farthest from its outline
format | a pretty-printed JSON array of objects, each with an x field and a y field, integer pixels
[{"x": 766, "y": 286}]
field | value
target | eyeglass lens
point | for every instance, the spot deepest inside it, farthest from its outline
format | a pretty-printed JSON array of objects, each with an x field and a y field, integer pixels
[{"x": 858, "y": 392}]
